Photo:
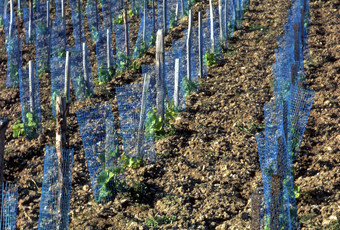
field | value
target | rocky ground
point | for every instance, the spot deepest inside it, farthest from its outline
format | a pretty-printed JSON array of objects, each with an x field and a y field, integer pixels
[{"x": 206, "y": 172}]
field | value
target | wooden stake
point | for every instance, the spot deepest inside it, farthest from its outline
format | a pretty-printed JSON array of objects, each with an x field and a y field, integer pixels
[
  {"x": 79, "y": 18},
  {"x": 256, "y": 211},
  {"x": 176, "y": 14},
  {"x": 126, "y": 33},
  {"x": 31, "y": 80},
  {"x": 275, "y": 201},
  {"x": 292, "y": 69},
  {"x": 30, "y": 21},
  {"x": 48, "y": 13},
  {"x": 200, "y": 44},
  {"x": 302, "y": 24},
  {"x": 220, "y": 19},
  {"x": 60, "y": 146},
  {"x": 10, "y": 32},
  {"x": 108, "y": 35},
  {"x": 97, "y": 15},
  {"x": 212, "y": 27},
  {"x": 62, "y": 9},
  {"x": 160, "y": 75},
  {"x": 3, "y": 126},
  {"x": 86, "y": 74},
  {"x": 182, "y": 6},
  {"x": 189, "y": 46},
  {"x": 141, "y": 126},
  {"x": 226, "y": 18},
  {"x": 295, "y": 43},
  {"x": 154, "y": 17},
  {"x": 144, "y": 22},
  {"x": 67, "y": 76},
  {"x": 176, "y": 89},
  {"x": 165, "y": 26},
  {"x": 19, "y": 5}
]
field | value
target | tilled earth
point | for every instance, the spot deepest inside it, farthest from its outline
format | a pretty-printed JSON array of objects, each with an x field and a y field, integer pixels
[{"x": 206, "y": 172}]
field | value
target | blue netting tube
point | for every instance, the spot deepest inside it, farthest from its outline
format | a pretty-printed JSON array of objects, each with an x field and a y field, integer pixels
[
  {"x": 195, "y": 50},
  {"x": 31, "y": 114},
  {"x": 118, "y": 6},
  {"x": 123, "y": 59},
  {"x": 129, "y": 98},
  {"x": 101, "y": 148},
  {"x": 105, "y": 71},
  {"x": 14, "y": 61},
  {"x": 81, "y": 89},
  {"x": 238, "y": 13},
  {"x": 9, "y": 206},
  {"x": 160, "y": 17},
  {"x": 135, "y": 7},
  {"x": 58, "y": 44},
  {"x": 29, "y": 39},
  {"x": 93, "y": 19},
  {"x": 181, "y": 44},
  {"x": 108, "y": 15},
  {"x": 48, "y": 215},
  {"x": 42, "y": 39},
  {"x": 216, "y": 31},
  {"x": 78, "y": 28},
  {"x": 57, "y": 80}
]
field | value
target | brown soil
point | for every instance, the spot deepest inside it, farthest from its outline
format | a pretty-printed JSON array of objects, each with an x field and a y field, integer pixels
[{"x": 206, "y": 172}]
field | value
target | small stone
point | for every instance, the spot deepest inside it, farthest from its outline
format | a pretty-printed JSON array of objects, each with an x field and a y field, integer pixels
[
  {"x": 85, "y": 188},
  {"x": 245, "y": 216}
]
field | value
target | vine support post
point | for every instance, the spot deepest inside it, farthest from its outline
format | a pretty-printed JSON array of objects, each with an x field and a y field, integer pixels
[
  {"x": 226, "y": 18},
  {"x": 182, "y": 6},
  {"x": 165, "y": 27},
  {"x": 3, "y": 126},
  {"x": 212, "y": 27},
  {"x": 61, "y": 109},
  {"x": 62, "y": 9},
  {"x": 256, "y": 211},
  {"x": 86, "y": 74},
  {"x": 292, "y": 70},
  {"x": 30, "y": 21},
  {"x": 176, "y": 89},
  {"x": 153, "y": 17},
  {"x": 67, "y": 76},
  {"x": 97, "y": 15},
  {"x": 160, "y": 73},
  {"x": 176, "y": 13},
  {"x": 79, "y": 19},
  {"x": 275, "y": 201},
  {"x": 30, "y": 80},
  {"x": 144, "y": 22},
  {"x": 18, "y": 5},
  {"x": 108, "y": 35},
  {"x": 189, "y": 46},
  {"x": 295, "y": 43},
  {"x": 221, "y": 23},
  {"x": 126, "y": 33},
  {"x": 11, "y": 32},
  {"x": 49, "y": 43},
  {"x": 200, "y": 44},
  {"x": 141, "y": 126},
  {"x": 48, "y": 13}
]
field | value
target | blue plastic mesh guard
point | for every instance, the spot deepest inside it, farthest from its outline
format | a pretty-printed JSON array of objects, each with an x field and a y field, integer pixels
[
  {"x": 31, "y": 116},
  {"x": 129, "y": 99},
  {"x": 170, "y": 56},
  {"x": 101, "y": 48},
  {"x": 58, "y": 44},
  {"x": 42, "y": 38},
  {"x": 136, "y": 6},
  {"x": 101, "y": 148},
  {"x": 57, "y": 80},
  {"x": 29, "y": 40},
  {"x": 50, "y": 189},
  {"x": 9, "y": 206},
  {"x": 78, "y": 28},
  {"x": 77, "y": 74},
  {"x": 238, "y": 13},
  {"x": 181, "y": 44},
  {"x": 121, "y": 55},
  {"x": 142, "y": 46},
  {"x": 216, "y": 31},
  {"x": 91, "y": 12},
  {"x": 108, "y": 15},
  {"x": 14, "y": 61},
  {"x": 195, "y": 50},
  {"x": 118, "y": 7},
  {"x": 160, "y": 18}
]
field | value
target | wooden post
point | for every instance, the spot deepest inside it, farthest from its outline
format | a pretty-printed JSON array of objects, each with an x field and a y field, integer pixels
[
  {"x": 298, "y": 99},
  {"x": 256, "y": 199},
  {"x": 154, "y": 17},
  {"x": 86, "y": 74},
  {"x": 302, "y": 24},
  {"x": 226, "y": 18},
  {"x": 165, "y": 26},
  {"x": 48, "y": 13},
  {"x": 176, "y": 89},
  {"x": 31, "y": 80},
  {"x": 62, "y": 9},
  {"x": 97, "y": 15},
  {"x": 49, "y": 43},
  {"x": 189, "y": 46},
  {"x": 10, "y": 32},
  {"x": 292, "y": 69},
  {"x": 182, "y": 6},
  {"x": 144, "y": 22},
  {"x": 220, "y": 21},
  {"x": 108, "y": 35},
  {"x": 176, "y": 14},
  {"x": 79, "y": 18},
  {"x": 111, "y": 21},
  {"x": 30, "y": 21},
  {"x": 67, "y": 76},
  {"x": 126, "y": 33},
  {"x": 141, "y": 126},
  {"x": 212, "y": 27},
  {"x": 200, "y": 44},
  {"x": 295, "y": 43},
  {"x": 275, "y": 201},
  {"x": 60, "y": 146},
  {"x": 3, "y": 126},
  {"x": 160, "y": 75},
  {"x": 19, "y": 5}
]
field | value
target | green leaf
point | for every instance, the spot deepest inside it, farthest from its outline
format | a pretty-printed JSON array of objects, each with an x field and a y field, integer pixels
[{"x": 101, "y": 157}]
